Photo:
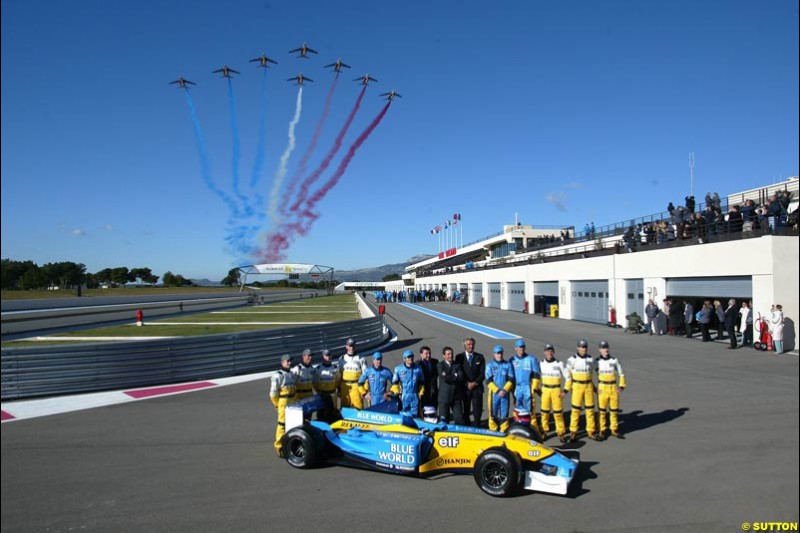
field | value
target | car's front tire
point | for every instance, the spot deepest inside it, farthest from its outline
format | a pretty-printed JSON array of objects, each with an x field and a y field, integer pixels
[
  {"x": 300, "y": 448},
  {"x": 498, "y": 472}
]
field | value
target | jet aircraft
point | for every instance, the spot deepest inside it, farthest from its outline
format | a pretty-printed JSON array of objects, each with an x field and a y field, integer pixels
[
  {"x": 337, "y": 66},
  {"x": 263, "y": 61},
  {"x": 304, "y": 50},
  {"x": 182, "y": 82},
  {"x": 365, "y": 79},
  {"x": 300, "y": 79},
  {"x": 391, "y": 94},
  {"x": 226, "y": 71}
]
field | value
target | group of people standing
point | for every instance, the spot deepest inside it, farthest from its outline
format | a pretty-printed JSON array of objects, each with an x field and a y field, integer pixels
[
  {"x": 455, "y": 388},
  {"x": 730, "y": 321}
]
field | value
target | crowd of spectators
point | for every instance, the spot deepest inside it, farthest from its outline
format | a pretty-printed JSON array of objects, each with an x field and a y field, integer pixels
[{"x": 716, "y": 218}]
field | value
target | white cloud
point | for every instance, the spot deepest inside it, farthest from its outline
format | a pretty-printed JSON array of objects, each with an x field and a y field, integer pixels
[
  {"x": 78, "y": 232},
  {"x": 557, "y": 199},
  {"x": 109, "y": 227}
]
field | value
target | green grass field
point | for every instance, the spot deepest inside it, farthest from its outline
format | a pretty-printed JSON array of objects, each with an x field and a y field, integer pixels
[{"x": 335, "y": 308}]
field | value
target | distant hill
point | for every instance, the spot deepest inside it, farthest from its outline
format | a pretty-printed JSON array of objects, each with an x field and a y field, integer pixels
[
  {"x": 377, "y": 273},
  {"x": 205, "y": 282}
]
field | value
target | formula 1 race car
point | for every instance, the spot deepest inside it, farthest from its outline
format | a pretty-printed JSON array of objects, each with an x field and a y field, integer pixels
[{"x": 381, "y": 438}]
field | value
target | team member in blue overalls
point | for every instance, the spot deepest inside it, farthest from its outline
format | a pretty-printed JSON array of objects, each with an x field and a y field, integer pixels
[
  {"x": 500, "y": 379},
  {"x": 375, "y": 382},
  {"x": 409, "y": 382},
  {"x": 527, "y": 375}
]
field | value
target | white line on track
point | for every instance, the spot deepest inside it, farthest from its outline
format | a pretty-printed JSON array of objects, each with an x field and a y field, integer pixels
[
  {"x": 225, "y": 323},
  {"x": 275, "y": 312},
  {"x": 57, "y": 338}
]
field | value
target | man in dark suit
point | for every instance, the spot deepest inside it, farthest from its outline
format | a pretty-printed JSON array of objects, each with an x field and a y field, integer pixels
[
  {"x": 430, "y": 394},
  {"x": 451, "y": 388},
  {"x": 731, "y": 317},
  {"x": 474, "y": 366}
]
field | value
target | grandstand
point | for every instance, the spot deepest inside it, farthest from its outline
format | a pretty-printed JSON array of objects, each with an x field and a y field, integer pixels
[{"x": 586, "y": 274}]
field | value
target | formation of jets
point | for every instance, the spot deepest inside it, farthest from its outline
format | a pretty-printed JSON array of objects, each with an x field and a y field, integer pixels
[
  {"x": 304, "y": 50},
  {"x": 226, "y": 71},
  {"x": 264, "y": 61},
  {"x": 300, "y": 79}
]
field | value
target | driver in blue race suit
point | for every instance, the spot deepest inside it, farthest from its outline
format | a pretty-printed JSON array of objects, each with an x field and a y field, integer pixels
[
  {"x": 409, "y": 382},
  {"x": 375, "y": 382},
  {"x": 527, "y": 374},
  {"x": 500, "y": 379}
]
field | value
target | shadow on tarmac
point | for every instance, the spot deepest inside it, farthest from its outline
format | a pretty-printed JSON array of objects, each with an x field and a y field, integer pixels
[{"x": 638, "y": 420}]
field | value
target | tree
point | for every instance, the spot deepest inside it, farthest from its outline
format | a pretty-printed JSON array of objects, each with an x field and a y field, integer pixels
[
  {"x": 232, "y": 278},
  {"x": 391, "y": 277},
  {"x": 144, "y": 274},
  {"x": 120, "y": 275},
  {"x": 11, "y": 272},
  {"x": 175, "y": 280},
  {"x": 32, "y": 279}
]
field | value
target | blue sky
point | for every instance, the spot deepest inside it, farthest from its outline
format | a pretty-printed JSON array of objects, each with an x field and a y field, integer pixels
[{"x": 565, "y": 112}]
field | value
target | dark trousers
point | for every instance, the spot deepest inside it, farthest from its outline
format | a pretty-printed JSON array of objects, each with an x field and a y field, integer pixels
[
  {"x": 473, "y": 407},
  {"x": 732, "y": 334},
  {"x": 705, "y": 332},
  {"x": 452, "y": 411},
  {"x": 688, "y": 331},
  {"x": 747, "y": 336}
]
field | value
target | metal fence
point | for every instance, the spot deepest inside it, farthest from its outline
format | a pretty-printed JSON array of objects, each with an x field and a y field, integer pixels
[{"x": 56, "y": 370}]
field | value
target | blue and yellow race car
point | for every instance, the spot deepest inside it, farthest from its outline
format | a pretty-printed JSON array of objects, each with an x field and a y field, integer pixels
[{"x": 382, "y": 438}]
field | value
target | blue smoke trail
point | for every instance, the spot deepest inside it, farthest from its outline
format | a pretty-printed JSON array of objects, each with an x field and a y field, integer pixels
[
  {"x": 237, "y": 149},
  {"x": 258, "y": 164},
  {"x": 205, "y": 167}
]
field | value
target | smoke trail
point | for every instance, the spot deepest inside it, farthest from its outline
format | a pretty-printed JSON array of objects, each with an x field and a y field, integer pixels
[
  {"x": 337, "y": 144},
  {"x": 258, "y": 163},
  {"x": 236, "y": 146},
  {"x": 205, "y": 167},
  {"x": 333, "y": 180},
  {"x": 279, "y": 240},
  {"x": 283, "y": 165},
  {"x": 301, "y": 167}
]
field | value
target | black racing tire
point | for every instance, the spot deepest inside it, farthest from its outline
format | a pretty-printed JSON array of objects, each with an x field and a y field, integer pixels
[
  {"x": 300, "y": 448},
  {"x": 498, "y": 472},
  {"x": 526, "y": 432}
]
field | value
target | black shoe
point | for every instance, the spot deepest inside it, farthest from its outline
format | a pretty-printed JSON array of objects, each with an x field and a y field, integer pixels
[
  {"x": 562, "y": 437},
  {"x": 573, "y": 437},
  {"x": 617, "y": 434}
]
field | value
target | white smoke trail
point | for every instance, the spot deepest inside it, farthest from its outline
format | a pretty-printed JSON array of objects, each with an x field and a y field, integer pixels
[{"x": 275, "y": 194}]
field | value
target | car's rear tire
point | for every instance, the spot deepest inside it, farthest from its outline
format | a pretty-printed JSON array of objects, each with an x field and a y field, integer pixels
[
  {"x": 498, "y": 472},
  {"x": 301, "y": 448},
  {"x": 526, "y": 432}
]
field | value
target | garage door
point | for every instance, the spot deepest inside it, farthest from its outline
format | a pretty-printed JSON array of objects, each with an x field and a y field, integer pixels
[
  {"x": 634, "y": 289},
  {"x": 492, "y": 297},
  {"x": 475, "y": 293},
  {"x": 545, "y": 295},
  {"x": 728, "y": 287},
  {"x": 590, "y": 301},
  {"x": 515, "y": 296}
]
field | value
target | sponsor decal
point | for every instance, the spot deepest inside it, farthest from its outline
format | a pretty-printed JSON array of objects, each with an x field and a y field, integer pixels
[
  {"x": 533, "y": 453},
  {"x": 452, "y": 461},
  {"x": 449, "y": 442}
]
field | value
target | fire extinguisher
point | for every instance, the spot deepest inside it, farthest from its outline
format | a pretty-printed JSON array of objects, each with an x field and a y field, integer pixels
[
  {"x": 612, "y": 316},
  {"x": 525, "y": 309},
  {"x": 139, "y": 317}
]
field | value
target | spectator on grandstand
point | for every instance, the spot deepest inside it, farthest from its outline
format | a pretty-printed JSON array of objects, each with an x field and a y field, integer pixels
[
  {"x": 715, "y": 201},
  {"x": 670, "y": 208},
  {"x": 690, "y": 204},
  {"x": 700, "y": 227},
  {"x": 748, "y": 215},
  {"x": 735, "y": 220},
  {"x": 628, "y": 238}
]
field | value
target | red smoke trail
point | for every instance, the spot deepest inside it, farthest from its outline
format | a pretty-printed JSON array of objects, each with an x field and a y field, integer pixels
[
  {"x": 301, "y": 167},
  {"x": 279, "y": 240},
  {"x": 337, "y": 144},
  {"x": 307, "y": 215}
]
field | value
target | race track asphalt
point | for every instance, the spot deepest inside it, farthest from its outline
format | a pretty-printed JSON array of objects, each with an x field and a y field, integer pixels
[{"x": 711, "y": 442}]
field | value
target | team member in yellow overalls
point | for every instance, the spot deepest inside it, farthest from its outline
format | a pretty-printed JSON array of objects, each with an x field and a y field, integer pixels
[
  {"x": 351, "y": 366},
  {"x": 281, "y": 392},
  {"x": 579, "y": 367},
  {"x": 552, "y": 396},
  {"x": 609, "y": 370},
  {"x": 304, "y": 376},
  {"x": 327, "y": 377}
]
